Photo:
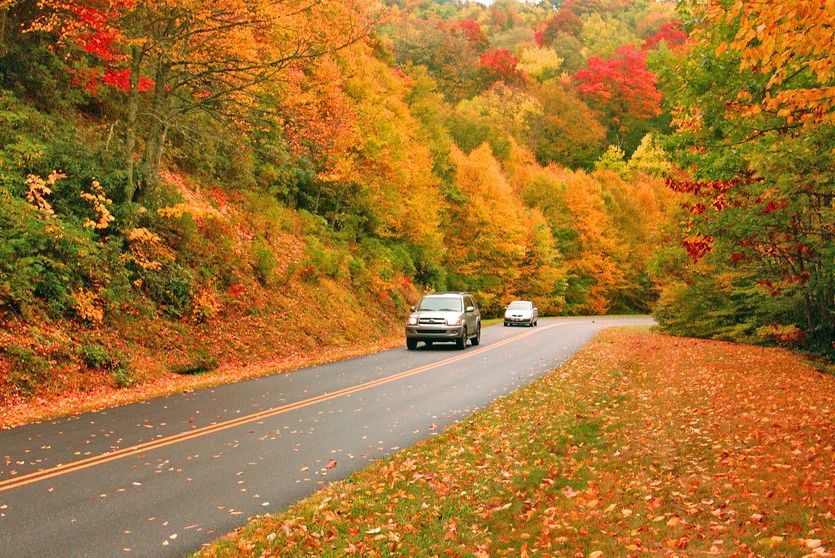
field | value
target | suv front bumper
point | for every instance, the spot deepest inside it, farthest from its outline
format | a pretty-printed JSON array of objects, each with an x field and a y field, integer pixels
[{"x": 423, "y": 332}]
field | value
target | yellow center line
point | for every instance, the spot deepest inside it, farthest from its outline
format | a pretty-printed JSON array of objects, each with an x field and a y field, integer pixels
[{"x": 63, "y": 469}]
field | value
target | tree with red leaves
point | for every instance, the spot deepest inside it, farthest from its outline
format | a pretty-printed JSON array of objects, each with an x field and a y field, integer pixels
[
  {"x": 92, "y": 34},
  {"x": 471, "y": 29},
  {"x": 499, "y": 65},
  {"x": 622, "y": 88},
  {"x": 672, "y": 33},
  {"x": 753, "y": 112}
]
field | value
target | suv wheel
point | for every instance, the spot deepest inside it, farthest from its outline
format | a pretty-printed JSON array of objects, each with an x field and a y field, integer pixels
[
  {"x": 477, "y": 338},
  {"x": 462, "y": 341},
  {"x": 411, "y": 344}
]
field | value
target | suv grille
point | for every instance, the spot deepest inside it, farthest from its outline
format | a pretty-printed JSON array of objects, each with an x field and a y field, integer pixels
[{"x": 436, "y": 321}]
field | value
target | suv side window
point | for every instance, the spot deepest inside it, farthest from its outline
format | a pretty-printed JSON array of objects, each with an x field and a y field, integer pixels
[{"x": 468, "y": 301}]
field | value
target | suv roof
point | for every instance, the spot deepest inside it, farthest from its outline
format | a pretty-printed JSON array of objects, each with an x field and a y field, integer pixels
[{"x": 449, "y": 293}]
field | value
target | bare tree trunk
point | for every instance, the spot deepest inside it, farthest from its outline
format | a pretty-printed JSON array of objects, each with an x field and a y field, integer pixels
[
  {"x": 130, "y": 122},
  {"x": 158, "y": 127},
  {"x": 4, "y": 15}
]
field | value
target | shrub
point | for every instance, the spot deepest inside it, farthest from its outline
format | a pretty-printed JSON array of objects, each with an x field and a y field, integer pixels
[
  {"x": 322, "y": 261},
  {"x": 29, "y": 370},
  {"x": 122, "y": 377},
  {"x": 263, "y": 262},
  {"x": 171, "y": 288},
  {"x": 205, "y": 305},
  {"x": 97, "y": 357}
]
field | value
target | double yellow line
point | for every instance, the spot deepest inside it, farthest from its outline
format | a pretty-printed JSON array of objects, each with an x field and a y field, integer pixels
[{"x": 66, "y": 468}]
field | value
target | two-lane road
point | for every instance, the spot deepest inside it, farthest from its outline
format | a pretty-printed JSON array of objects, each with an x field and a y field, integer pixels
[{"x": 162, "y": 477}]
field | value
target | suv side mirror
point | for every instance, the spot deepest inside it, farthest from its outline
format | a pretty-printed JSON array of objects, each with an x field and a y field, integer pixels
[
  {"x": 412, "y": 308},
  {"x": 470, "y": 308}
]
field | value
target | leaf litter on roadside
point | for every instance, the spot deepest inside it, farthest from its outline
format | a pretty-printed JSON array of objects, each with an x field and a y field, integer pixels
[{"x": 641, "y": 445}]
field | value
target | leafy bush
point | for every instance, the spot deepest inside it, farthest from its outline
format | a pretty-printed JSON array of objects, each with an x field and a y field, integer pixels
[
  {"x": 171, "y": 288},
  {"x": 97, "y": 357},
  {"x": 322, "y": 261},
  {"x": 263, "y": 262},
  {"x": 29, "y": 370},
  {"x": 122, "y": 377}
]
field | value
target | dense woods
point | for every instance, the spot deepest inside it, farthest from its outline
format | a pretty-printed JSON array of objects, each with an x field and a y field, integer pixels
[{"x": 183, "y": 182}]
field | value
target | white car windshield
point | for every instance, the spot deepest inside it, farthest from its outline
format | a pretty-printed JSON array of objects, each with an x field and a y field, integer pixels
[
  {"x": 520, "y": 305},
  {"x": 441, "y": 304}
]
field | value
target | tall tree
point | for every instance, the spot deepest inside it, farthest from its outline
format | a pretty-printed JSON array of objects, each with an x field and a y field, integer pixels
[
  {"x": 754, "y": 115},
  {"x": 623, "y": 89}
]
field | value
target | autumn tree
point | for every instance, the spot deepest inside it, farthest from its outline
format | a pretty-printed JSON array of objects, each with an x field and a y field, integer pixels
[
  {"x": 572, "y": 51},
  {"x": 541, "y": 64},
  {"x": 754, "y": 121},
  {"x": 499, "y": 65},
  {"x": 566, "y": 131},
  {"x": 672, "y": 33},
  {"x": 603, "y": 35},
  {"x": 486, "y": 232},
  {"x": 564, "y": 21},
  {"x": 195, "y": 57},
  {"x": 450, "y": 57},
  {"x": 471, "y": 29},
  {"x": 622, "y": 89}
]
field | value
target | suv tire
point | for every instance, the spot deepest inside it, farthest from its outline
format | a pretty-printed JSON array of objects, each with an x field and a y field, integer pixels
[
  {"x": 477, "y": 338},
  {"x": 411, "y": 344},
  {"x": 461, "y": 343}
]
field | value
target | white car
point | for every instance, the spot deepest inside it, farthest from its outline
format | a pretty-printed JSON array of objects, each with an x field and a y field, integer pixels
[{"x": 521, "y": 312}]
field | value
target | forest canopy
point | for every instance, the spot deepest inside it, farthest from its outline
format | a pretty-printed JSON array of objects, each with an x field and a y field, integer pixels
[{"x": 181, "y": 162}]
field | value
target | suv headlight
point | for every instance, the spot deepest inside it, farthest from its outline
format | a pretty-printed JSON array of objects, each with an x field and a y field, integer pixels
[
  {"x": 413, "y": 320},
  {"x": 456, "y": 322}
]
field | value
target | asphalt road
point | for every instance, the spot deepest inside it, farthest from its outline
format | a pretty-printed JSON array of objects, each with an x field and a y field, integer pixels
[{"x": 163, "y": 477}]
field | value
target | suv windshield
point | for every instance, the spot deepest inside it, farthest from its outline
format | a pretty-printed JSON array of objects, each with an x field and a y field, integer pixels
[
  {"x": 520, "y": 305},
  {"x": 441, "y": 304}
]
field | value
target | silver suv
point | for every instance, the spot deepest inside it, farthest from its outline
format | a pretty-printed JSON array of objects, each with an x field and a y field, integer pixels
[{"x": 444, "y": 317}]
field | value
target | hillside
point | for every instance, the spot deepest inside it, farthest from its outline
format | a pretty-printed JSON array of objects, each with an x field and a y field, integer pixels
[{"x": 309, "y": 215}]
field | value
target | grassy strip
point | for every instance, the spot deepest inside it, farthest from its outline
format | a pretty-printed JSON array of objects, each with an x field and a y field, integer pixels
[{"x": 641, "y": 444}]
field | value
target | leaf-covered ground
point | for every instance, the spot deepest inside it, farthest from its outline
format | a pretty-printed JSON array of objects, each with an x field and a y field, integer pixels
[
  {"x": 641, "y": 445},
  {"x": 98, "y": 393}
]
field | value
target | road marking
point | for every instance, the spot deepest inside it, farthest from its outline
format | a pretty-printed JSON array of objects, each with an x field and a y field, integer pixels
[{"x": 66, "y": 468}]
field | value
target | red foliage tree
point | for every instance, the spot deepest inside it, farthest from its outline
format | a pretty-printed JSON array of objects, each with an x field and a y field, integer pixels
[
  {"x": 498, "y": 64},
  {"x": 672, "y": 33},
  {"x": 471, "y": 29},
  {"x": 94, "y": 27},
  {"x": 621, "y": 87}
]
